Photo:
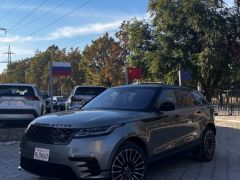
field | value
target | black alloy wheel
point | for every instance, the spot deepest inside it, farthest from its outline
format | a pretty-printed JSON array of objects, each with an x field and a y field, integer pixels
[
  {"x": 209, "y": 144},
  {"x": 206, "y": 150},
  {"x": 129, "y": 163}
]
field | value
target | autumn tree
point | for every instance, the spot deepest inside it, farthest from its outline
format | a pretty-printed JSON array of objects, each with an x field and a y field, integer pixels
[{"x": 103, "y": 62}]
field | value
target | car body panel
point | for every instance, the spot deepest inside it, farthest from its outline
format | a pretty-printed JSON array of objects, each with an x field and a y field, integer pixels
[{"x": 160, "y": 132}]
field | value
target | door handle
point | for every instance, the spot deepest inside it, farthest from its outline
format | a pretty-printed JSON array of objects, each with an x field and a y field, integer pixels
[
  {"x": 154, "y": 119},
  {"x": 198, "y": 112},
  {"x": 177, "y": 116}
]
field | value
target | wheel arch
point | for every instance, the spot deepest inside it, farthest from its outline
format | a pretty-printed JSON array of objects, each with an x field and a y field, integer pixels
[
  {"x": 212, "y": 126},
  {"x": 138, "y": 141},
  {"x": 132, "y": 139}
]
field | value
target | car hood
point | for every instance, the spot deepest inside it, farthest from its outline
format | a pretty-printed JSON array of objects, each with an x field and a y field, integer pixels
[{"x": 89, "y": 118}]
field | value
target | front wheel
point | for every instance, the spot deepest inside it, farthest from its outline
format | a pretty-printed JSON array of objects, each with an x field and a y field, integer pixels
[
  {"x": 206, "y": 150},
  {"x": 129, "y": 162}
]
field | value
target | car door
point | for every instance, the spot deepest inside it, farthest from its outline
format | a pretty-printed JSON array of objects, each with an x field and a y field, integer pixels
[
  {"x": 163, "y": 129},
  {"x": 203, "y": 111},
  {"x": 187, "y": 126}
]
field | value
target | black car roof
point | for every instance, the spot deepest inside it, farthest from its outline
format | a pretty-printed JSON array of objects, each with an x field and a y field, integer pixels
[{"x": 152, "y": 86}]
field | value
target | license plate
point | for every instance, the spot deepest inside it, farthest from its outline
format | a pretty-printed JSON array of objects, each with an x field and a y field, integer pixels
[{"x": 41, "y": 154}]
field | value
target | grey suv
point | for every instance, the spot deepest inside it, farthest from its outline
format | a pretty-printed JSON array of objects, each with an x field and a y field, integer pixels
[{"x": 116, "y": 134}]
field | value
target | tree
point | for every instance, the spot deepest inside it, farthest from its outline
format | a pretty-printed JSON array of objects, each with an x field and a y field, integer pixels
[
  {"x": 192, "y": 35},
  {"x": 234, "y": 40},
  {"x": 136, "y": 39},
  {"x": 103, "y": 62}
]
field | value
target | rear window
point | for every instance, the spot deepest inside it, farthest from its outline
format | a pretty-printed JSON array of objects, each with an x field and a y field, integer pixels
[
  {"x": 16, "y": 91},
  {"x": 89, "y": 90},
  {"x": 61, "y": 99}
]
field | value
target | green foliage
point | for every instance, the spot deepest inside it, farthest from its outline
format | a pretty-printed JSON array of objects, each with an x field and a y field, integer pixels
[
  {"x": 199, "y": 35},
  {"x": 35, "y": 70},
  {"x": 193, "y": 35},
  {"x": 136, "y": 38}
]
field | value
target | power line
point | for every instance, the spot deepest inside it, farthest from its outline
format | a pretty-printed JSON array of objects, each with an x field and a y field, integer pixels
[
  {"x": 11, "y": 11},
  {"x": 45, "y": 14},
  {"x": 55, "y": 21},
  {"x": 3, "y": 29},
  {"x": 29, "y": 14}
]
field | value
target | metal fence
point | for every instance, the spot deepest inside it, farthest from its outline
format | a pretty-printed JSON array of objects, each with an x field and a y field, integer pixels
[{"x": 227, "y": 102}]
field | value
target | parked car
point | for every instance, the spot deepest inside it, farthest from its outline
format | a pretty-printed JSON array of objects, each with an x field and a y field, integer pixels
[
  {"x": 81, "y": 95},
  {"x": 47, "y": 105},
  {"x": 44, "y": 94},
  {"x": 117, "y": 133},
  {"x": 59, "y": 103},
  {"x": 20, "y": 102}
]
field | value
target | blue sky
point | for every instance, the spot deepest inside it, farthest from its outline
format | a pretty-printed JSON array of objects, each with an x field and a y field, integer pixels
[{"x": 30, "y": 26}]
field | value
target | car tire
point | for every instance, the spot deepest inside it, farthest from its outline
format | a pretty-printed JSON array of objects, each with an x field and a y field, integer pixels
[
  {"x": 205, "y": 152},
  {"x": 129, "y": 162},
  {"x": 42, "y": 110}
]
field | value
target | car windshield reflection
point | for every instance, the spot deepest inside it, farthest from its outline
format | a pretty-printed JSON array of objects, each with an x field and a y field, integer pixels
[{"x": 132, "y": 99}]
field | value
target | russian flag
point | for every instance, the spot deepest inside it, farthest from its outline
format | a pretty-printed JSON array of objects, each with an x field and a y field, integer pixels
[{"x": 61, "y": 69}]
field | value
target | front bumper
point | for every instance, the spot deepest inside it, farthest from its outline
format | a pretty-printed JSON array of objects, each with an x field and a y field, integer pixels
[
  {"x": 18, "y": 114},
  {"x": 87, "y": 158}
]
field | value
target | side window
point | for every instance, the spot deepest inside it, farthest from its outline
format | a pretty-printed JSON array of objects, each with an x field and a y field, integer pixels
[
  {"x": 199, "y": 98},
  {"x": 168, "y": 94},
  {"x": 184, "y": 98}
]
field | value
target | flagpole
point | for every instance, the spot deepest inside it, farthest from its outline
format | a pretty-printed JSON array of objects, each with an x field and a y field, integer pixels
[
  {"x": 126, "y": 72},
  {"x": 51, "y": 88}
]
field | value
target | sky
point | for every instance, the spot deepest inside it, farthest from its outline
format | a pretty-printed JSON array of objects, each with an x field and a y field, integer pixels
[{"x": 35, "y": 25}]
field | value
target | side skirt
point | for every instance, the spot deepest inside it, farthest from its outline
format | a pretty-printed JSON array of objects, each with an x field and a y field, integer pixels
[{"x": 183, "y": 149}]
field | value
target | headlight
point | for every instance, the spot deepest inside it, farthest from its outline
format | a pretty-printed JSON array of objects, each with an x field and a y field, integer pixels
[{"x": 96, "y": 131}]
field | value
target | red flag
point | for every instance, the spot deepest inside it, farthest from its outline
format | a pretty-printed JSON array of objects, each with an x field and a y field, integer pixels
[{"x": 134, "y": 73}]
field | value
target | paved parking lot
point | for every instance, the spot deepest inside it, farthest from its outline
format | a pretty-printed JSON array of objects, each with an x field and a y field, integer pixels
[{"x": 225, "y": 166}]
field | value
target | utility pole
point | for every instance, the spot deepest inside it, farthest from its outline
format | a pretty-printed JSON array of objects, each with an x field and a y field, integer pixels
[
  {"x": 9, "y": 53},
  {"x": 3, "y": 29}
]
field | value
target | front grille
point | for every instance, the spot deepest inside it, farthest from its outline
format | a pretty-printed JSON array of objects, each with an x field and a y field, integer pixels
[
  {"x": 47, "y": 169},
  {"x": 50, "y": 135}
]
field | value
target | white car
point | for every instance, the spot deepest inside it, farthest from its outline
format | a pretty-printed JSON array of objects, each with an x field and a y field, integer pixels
[
  {"x": 20, "y": 102},
  {"x": 80, "y": 95}
]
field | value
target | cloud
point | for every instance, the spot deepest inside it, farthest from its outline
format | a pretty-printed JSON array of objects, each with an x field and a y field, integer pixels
[
  {"x": 12, "y": 39},
  {"x": 72, "y": 31},
  {"x": 66, "y": 32},
  {"x": 97, "y": 28}
]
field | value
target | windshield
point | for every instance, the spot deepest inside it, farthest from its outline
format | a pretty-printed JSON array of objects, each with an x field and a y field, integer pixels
[
  {"x": 89, "y": 90},
  {"x": 16, "y": 91},
  {"x": 123, "y": 99},
  {"x": 61, "y": 99}
]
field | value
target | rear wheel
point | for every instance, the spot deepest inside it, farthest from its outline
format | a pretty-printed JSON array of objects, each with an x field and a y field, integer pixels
[
  {"x": 129, "y": 163},
  {"x": 206, "y": 150}
]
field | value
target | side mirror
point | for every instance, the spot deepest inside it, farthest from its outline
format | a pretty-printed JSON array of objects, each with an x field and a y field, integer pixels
[{"x": 167, "y": 106}]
